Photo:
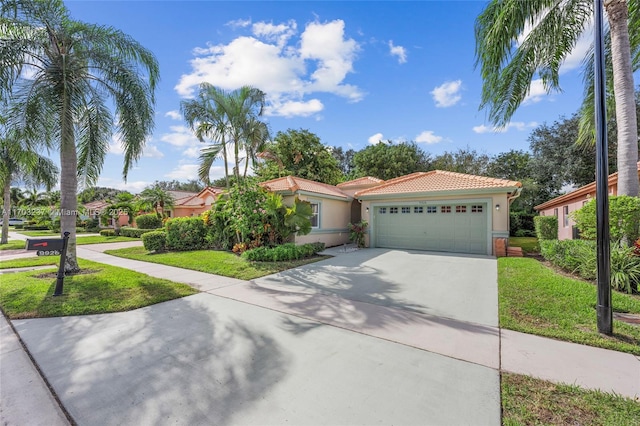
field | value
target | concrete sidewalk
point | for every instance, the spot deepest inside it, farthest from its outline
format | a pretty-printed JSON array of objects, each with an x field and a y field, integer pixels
[{"x": 548, "y": 359}]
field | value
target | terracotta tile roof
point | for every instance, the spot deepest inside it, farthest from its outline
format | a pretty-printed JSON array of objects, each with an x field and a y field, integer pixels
[
  {"x": 589, "y": 188},
  {"x": 436, "y": 181},
  {"x": 367, "y": 180},
  {"x": 294, "y": 184},
  {"x": 180, "y": 196}
]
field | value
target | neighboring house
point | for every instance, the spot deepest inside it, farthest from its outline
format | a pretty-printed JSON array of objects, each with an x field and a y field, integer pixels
[
  {"x": 440, "y": 211},
  {"x": 330, "y": 205},
  {"x": 193, "y": 203},
  {"x": 94, "y": 209},
  {"x": 564, "y": 205}
]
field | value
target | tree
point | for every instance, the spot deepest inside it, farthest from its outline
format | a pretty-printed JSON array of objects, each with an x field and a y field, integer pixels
[
  {"x": 464, "y": 160},
  {"x": 388, "y": 160},
  {"x": 299, "y": 153},
  {"x": 19, "y": 163},
  {"x": 345, "y": 160},
  {"x": 73, "y": 68},
  {"x": 34, "y": 198},
  {"x": 156, "y": 198},
  {"x": 191, "y": 185},
  {"x": 555, "y": 26}
]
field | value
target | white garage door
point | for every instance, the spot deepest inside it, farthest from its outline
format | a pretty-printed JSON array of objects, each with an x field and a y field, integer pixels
[{"x": 454, "y": 227}]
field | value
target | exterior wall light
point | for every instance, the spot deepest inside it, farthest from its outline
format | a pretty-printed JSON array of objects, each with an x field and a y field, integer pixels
[
  {"x": 497, "y": 206},
  {"x": 367, "y": 209}
]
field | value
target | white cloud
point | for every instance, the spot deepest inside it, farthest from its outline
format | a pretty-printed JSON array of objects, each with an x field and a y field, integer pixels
[
  {"x": 518, "y": 125},
  {"x": 447, "y": 94},
  {"x": 180, "y": 136},
  {"x": 184, "y": 172},
  {"x": 295, "y": 108},
  {"x": 398, "y": 51},
  {"x": 374, "y": 139},
  {"x": 192, "y": 152},
  {"x": 239, "y": 23},
  {"x": 428, "y": 137},
  {"x": 133, "y": 187},
  {"x": 286, "y": 67},
  {"x": 174, "y": 115},
  {"x": 536, "y": 93},
  {"x": 150, "y": 150}
]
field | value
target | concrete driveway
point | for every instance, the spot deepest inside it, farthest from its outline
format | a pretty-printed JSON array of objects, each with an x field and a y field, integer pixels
[{"x": 370, "y": 337}]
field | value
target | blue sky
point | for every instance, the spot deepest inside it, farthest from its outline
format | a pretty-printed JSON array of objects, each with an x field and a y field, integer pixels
[{"x": 350, "y": 72}]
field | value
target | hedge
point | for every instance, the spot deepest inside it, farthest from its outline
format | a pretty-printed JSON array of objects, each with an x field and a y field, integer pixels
[
  {"x": 546, "y": 227},
  {"x": 148, "y": 221},
  {"x": 186, "y": 233},
  {"x": 282, "y": 253},
  {"x": 624, "y": 218},
  {"x": 108, "y": 233},
  {"x": 155, "y": 241},
  {"x": 134, "y": 232}
]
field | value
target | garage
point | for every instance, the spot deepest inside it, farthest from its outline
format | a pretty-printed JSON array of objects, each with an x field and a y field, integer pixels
[
  {"x": 451, "y": 226},
  {"x": 439, "y": 211}
]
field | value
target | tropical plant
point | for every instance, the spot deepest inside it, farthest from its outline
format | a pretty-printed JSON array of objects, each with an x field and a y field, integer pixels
[
  {"x": 34, "y": 198},
  {"x": 113, "y": 212},
  {"x": 157, "y": 199},
  {"x": 517, "y": 40},
  {"x": 357, "y": 231},
  {"x": 59, "y": 73},
  {"x": 20, "y": 163},
  {"x": 624, "y": 217}
]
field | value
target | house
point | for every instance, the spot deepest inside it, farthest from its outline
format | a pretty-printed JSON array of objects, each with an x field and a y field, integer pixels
[
  {"x": 439, "y": 211},
  {"x": 353, "y": 186},
  {"x": 193, "y": 203},
  {"x": 330, "y": 205},
  {"x": 95, "y": 209},
  {"x": 564, "y": 205}
]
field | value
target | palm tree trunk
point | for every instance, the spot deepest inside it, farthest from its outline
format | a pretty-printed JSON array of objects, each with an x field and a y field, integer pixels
[
  {"x": 6, "y": 212},
  {"x": 68, "y": 186},
  {"x": 626, "y": 118},
  {"x": 224, "y": 158},
  {"x": 236, "y": 152}
]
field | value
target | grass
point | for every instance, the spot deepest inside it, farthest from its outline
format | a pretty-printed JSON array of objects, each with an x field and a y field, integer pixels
[
  {"x": 106, "y": 289},
  {"x": 13, "y": 245},
  {"x": 30, "y": 261},
  {"x": 214, "y": 262},
  {"x": 530, "y": 401},
  {"x": 528, "y": 244},
  {"x": 46, "y": 233},
  {"x": 99, "y": 239},
  {"x": 535, "y": 299}
]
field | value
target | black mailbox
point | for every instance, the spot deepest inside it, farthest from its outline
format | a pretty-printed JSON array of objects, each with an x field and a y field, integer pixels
[{"x": 46, "y": 246}]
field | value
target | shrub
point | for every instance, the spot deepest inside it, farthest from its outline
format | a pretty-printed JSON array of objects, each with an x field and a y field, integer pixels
[
  {"x": 521, "y": 224},
  {"x": 148, "y": 221},
  {"x": 624, "y": 219},
  {"x": 108, "y": 233},
  {"x": 133, "y": 232},
  {"x": 36, "y": 227},
  {"x": 186, "y": 233},
  {"x": 283, "y": 253},
  {"x": 575, "y": 256},
  {"x": 625, "y": 269},
  {"x": 357, "y": 232},
  {"x": 92, "y": 225},
  {"x": 155, "y": 241},
  {"x": 546, "y": 227}
]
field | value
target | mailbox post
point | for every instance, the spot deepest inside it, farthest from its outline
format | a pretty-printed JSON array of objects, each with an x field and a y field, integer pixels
[{"x": 52, "y": 247}]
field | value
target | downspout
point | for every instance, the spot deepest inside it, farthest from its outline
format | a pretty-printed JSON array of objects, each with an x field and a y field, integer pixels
[{"x": 516, "y": 193}]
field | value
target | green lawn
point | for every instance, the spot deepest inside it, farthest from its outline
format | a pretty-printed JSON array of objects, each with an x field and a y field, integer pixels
[
  {"x": 534, "y": 299},
  {"x": 214, "y": 262},
  {"x": 13, "y": 245},
  {"x": 46, "y": 233},
  {"x": 105, "y": 289},
  {"x": 530, "y": 401},
  {"x": 99, "y": 239},
  {"x": 30, "y": 261},
  {"x": 528, "y": 244}
]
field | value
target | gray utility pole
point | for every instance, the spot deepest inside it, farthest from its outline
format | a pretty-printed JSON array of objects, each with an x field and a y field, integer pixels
[{"x": 604, "y": 311}]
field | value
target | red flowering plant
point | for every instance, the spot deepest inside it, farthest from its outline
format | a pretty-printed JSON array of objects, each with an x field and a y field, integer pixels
[
  {"x": 357, "y": 232},
  {"x": 636, "y": 247}
]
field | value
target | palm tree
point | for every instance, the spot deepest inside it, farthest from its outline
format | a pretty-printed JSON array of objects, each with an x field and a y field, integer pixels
[
  {"x": 555, "y": 27},
  {"x": 18, "y": 163},
  {"x": 256, "y": 136},
  {"x": 207, "y": 120},
  {"x": 58, "y": 73},
  {"x": 34, "y": 198},
  {"x": 158, "y": 199}
]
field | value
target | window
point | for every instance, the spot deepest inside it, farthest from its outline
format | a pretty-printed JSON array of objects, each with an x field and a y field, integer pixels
[
  {"x": 461, "y": 209},
  {"x": 476, "y": 209},
  {"x": 585, "y": 202},
  {"x": 555, "y": 212},
  {"x": 417, "y": 209},
  {"x": 432, "y": 209},
  {"x": 383, "y": 210},
  {"x": 315, "y": 215},
  {"x": 406, "y": 209},
  {"x": 565, "y": 214},
  {"x": 393, "y": 210},
  {"x": 445, "y": 209}
]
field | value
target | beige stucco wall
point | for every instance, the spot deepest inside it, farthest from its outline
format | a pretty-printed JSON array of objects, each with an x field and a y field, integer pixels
[
  {"x": 499, "y": 218},
  {"x": 565, "y": 230},
  {"x": 335, "y": 216}
]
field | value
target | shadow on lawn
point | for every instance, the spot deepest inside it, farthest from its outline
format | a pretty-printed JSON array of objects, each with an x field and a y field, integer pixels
[
  {"x": 346, "y": 291},
  {"x": 175, "y": 363}
]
